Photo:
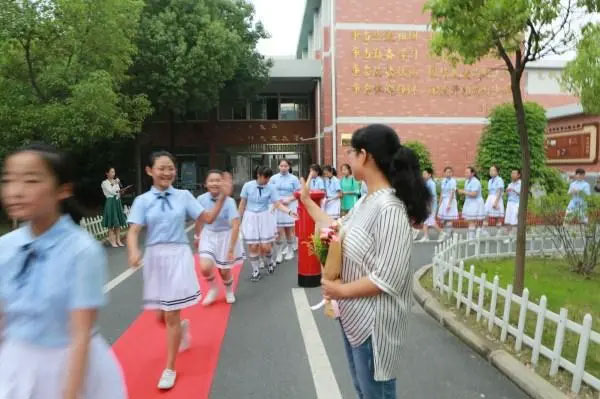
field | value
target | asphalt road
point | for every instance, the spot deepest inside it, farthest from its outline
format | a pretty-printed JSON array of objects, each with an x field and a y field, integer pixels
[{"x": 264, "y": 356}]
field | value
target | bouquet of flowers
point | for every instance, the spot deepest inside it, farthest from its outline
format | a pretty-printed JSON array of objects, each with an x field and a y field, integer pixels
[{"x": 327, "y": 247}]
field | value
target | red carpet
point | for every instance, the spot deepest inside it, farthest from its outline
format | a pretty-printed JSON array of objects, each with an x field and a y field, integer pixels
[{"x": 142, "y": 351}]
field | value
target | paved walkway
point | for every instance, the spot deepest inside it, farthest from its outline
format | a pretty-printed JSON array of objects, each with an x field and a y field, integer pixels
[{"x": 263, "y": 354}]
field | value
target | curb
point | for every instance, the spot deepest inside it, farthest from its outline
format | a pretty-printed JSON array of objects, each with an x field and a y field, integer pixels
[{"x": 525, "y": 378}]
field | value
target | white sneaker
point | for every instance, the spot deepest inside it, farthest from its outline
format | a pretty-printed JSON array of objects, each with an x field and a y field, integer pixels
[
  {"x": 279, "y": 258},
  {"x": 262, "y": 264},
  {"x": 424, "y": 239},
  {"x": 186, "y": 337},
  {"x": 210, "y": 297},
  {"x": 289, "y": 254},
  {"x": 167, "y": 379},
  {"x": 229, "y": 297},
  {"x": 295, "y": 246}
]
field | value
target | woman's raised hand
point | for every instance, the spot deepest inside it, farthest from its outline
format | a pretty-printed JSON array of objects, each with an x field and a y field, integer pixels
[{"x": 305, "y": 193}]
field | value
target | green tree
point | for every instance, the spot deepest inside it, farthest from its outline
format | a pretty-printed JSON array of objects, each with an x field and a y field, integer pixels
[
  {"x": 422, "y": 153},
  {"x": 582, "y": 75},
  {"x": 190, "y": 51},
  {"x": 517, "y": 32},
  {"x": 62, "y": 66}
]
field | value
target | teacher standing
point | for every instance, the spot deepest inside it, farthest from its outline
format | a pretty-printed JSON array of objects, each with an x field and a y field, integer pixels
[
  {"x": 374, "y": 292},
  {"x": 114, "y": 218}
]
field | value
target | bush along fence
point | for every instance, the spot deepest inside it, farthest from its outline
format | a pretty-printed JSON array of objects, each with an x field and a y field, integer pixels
[
  {"x": 94, "y": 225},
  {"x": 469, "y": 290}
]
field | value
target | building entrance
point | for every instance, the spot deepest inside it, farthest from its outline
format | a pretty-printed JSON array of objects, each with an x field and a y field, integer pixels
[{"x": 243, "y": 161}]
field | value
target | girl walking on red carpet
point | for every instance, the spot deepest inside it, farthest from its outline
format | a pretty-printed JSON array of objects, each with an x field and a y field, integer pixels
[{"x": 170, "y": 281}]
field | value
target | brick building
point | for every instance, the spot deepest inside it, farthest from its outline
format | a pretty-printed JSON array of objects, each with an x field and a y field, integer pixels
[{"x": 384, "y": 73}]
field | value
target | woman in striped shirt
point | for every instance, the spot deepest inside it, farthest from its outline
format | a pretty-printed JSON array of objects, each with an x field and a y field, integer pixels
[{"x": 374, "y": 292}]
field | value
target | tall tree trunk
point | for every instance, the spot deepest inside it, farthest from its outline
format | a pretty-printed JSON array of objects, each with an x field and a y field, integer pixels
[
  {"x": 519, "y": 276},
  {"x": 171, "y": 131}
]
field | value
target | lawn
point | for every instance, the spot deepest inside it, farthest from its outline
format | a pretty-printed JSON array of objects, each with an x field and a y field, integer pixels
[{"x": 563, "y": 288}]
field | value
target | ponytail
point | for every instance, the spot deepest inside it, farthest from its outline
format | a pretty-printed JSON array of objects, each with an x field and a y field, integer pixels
[
  {"x": 400, "y": 166},
  {"x": 405, "y": 176}
]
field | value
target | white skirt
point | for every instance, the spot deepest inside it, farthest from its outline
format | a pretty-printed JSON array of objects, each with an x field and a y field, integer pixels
[
  {"x": 473, "y": 209},
  {"x": 259, "y": 227},
  {"x": 430, "y": 221},
  {"x": 170, "y": 280},
  {"x": 215, "y": 246},
  {"x": 333, "y": 208},
  {"x": 489, "y": 207},
  {"x": 285, "y": 220},
  {"x": 444, "y": 213},
  {"x": 512, "y": 213},
  {"x": 33, "y": 372}
]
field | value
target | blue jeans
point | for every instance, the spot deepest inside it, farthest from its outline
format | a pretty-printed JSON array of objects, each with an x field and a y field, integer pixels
[{"x": 362, "y": 369}]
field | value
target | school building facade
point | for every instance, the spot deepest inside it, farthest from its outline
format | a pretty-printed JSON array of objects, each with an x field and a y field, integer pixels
[{"x": 358, "y": 63}]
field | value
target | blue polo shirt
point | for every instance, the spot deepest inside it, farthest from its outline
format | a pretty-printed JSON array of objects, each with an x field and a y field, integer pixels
[
  {"x": 258, "y": 198},
  {"x": 44, "y": 278},
  {"x": 228, "y": 213}
]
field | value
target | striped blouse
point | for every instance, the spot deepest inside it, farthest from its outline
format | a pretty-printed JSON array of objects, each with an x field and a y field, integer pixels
[{"x": 377, "y": 243}]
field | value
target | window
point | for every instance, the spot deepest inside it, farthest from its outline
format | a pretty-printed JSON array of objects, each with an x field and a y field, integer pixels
[
  {"x": 294, "y": 108},
  {"x": 232, "y": 110},
  {"x": 273, "y": 107}
]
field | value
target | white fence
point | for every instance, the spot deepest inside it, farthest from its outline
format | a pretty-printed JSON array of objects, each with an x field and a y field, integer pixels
[
  {"x": 94, "y": 225},
  {"x": 448, "y": 265}
]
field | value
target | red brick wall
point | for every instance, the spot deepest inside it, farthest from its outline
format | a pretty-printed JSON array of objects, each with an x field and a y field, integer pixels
[{"x": 381, "y": 11}]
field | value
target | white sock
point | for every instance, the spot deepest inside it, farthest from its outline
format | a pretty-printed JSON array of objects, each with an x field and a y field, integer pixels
[
  {"x": 269, "y": 258},
  {"x": 228, "y": 285},
  {"x": 212, "y": 280},
  {"x": 254, "y": 262},
  {"x": 290, "y": 244}
]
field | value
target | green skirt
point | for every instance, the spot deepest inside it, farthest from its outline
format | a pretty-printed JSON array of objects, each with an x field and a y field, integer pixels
[{"x": 113, "y": 214}]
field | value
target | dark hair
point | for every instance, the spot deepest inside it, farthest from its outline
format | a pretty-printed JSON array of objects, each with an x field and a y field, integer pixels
[
  {"x": 495, "y": 167},
  {"x": 211, "y": 171},
  {"x": 345, "y": 165},
  {"x": 263, "y": 171},
  {"x": 157, "y": 154},
  {"x": 448, "y": 168},
  {"x": 580, "y": 171},
  {"x": 108, "y": 169},
  {"x": 61, "y": 166},
  {"x": 328, "y": 168},
  {"x": 518, "y": 170},
  {"x": 429, "y": 170},
  {"x": 473, "y": 171},
  {"x": 284, "y": 160},
  {"x": 317, "y": 168},
  {"x": 400, "y": 166}
]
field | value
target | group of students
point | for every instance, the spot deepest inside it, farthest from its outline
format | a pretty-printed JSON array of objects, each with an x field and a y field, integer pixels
[{"x": 478, "y": 213}]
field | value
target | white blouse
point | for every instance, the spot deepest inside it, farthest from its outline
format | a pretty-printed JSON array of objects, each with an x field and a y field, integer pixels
[
  {"x": 377, "y": 244},
  {"x": 110, "y": 189}
]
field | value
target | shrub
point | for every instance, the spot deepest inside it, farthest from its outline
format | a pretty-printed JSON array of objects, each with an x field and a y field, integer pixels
[
  {"x": 422, "y": 153},
  {"x": 500, "y": 145},
  {"x": 568, "y": 233}
]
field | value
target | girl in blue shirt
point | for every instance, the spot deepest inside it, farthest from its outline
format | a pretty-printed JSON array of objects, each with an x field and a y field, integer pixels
[
  {"x": 494, "y": 205},
  {"x": 217, "y": 242},
  {"x": 170, "y": 281},
  {"x": 52, "y": 275},
  {"x": 258, "y": 226},
  {"x": 286, "y": 184},
  {"x": 430, "y": 221},
  {"x": 332, "y": 202},
  {"x": 448, "y": 210},
  {"x": 578, "y": 190},
  {"x": 513, "y": 193},
  {"x": 317, "y": 182},
  {"x": 473, "y": 208}
]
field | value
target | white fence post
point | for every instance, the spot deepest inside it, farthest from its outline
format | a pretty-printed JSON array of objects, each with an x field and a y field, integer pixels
[
  {"x": 506, "y": 315},
  {"x": 522, "y": 317},
  {"x": 492, "y": 314},
  {"x": 450, "y": 279},
  {"x": 477, "y": 244},
  {"x": 461, "y": 270},
  {"x": 558, "y": 341},
  {"x": 581, "y": 353},
  {"x": 470, "y": 289},
  {"x": 456, "y": 248},
  {"x": 481, "y": 294},
  {"x": 539, "y": 329}
]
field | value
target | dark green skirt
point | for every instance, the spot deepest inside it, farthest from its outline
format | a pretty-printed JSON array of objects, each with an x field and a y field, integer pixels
[{"x": 113, "y": 214}]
